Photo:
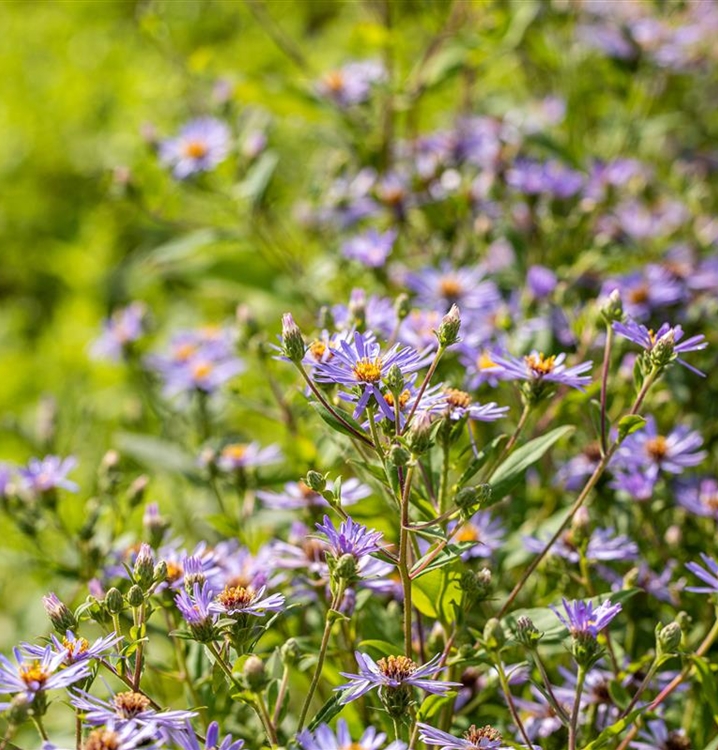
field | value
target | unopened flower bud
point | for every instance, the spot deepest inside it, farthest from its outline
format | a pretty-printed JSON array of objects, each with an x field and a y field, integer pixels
[
  {"x": 470, "y": 499},
  {"x": 160, "y": 572},
  {"x": 419, "y": 436},
  {"x": 663, "y": 353},
  {"x": 612, "y": 310},
  {"x": 399, "y": 455},
  {"x": 290, "y": 652},
  {"x": 114, "y": 603},
  {"x": 135, "y": 596},
  {"x": 316, "y": 481},
  {"x": 60, "y": 615},
  {"x": 395, "y": 380},
  {"x": 144, "y": 569},
  {"x": 346, "y": 568},
  {"x": 292, "y": 341},
  {"x": 254, "y": 674},
  {"x": 155, "y": 525},
  {"x": 402, "y": 306},
  {"x": 526, "y": 633},
  {"x": 18, "y": 711},
  {"x": 494, "y": 636},
  {"x": 668, "y": 638},
  {"x": 136, "y": 491},
  {"x": 586, "y": 650},
  {"x": 448, "y": 332}
]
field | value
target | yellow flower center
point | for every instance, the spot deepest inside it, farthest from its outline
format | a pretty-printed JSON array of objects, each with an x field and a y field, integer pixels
[
  {"x": 174, "y": 572},
  {"x": 317, "y": 349},
  {"x": 76, "y": 647},
  {"x": 202, "y": 369},
  {"x": 184, "y": 351},
  {"x": 475, "y": 734},
  {"x": 397, "y": 667},
  {"x": 657, "y": 448},
  {"x": 334, "y": 80},
  {"x": 102, "y": 739},
  {"x": 456, "y": 398},
  {"x": 540, "y": 365},
  {"x": 33, "y": 674},
  {"x": 484, "y": 361},
  {"x": 129, "y": 704},
  {"x": 368, "y": 371},
  {"x": 236, "y": 597},
  {"x": 403, "y": 398},
  {"x": 195, "y": 149},
  {"x": 235, "y": 451},
  {"x": 450, "y": 287},
  {"x": 467, "y": 533}
]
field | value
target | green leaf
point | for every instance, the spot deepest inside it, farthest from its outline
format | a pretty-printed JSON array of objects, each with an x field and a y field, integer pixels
[
  {"x": 382, "y": 647},
  {"x": 629, "y": 424},
  {"x": 437, "y": 594},
  {"x": 342, "y": 425},
  {"x": 478, "y": 461},
  {"x": 511, "y": 470},
  {"x": 156, "y": 453},
  {"x": 707, "y": 679},
  {"x": 327, "y": 712},
  {"x": 432, "y": 705},
  {"x": 610, "y": 733},
  {"x": 255, "y": 185}
]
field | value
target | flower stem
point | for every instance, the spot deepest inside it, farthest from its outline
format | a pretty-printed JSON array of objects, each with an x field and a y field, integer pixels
[
  {"x": 503, "y": 680},
  {"x": 604, "y": 387},
  {"x": 424, "y": 383},
  {"x": 280, "y": 696},
  {"x": 320, "y": 660},
  {"x": 404, "y": 559},
  {"x": 266, "y": 720},
  {"x": 573, "y": 723},
  {"x": 140, "y": 648}
]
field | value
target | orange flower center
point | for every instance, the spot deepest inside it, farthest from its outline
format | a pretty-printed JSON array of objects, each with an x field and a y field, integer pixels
[
  {"x": 403, "y": 398},
  {"x": 317, "y": 349},
  {"x": 397, "y": 667},
  {"x": 184, "y": 351},
  {"x": 657, "y": 448},
  {"x": 334, "y": 80},
  {"x": 540, "y": 365},
  {"x": 195, "y": 149},
  {"x": 457, "y": 398},
  {"x": 33, "y": 674},
  {"x": 368, "y": 371},
  {"x": 467, "y": 533},
  {"x": 450, "y": 287},
  {"x": 475, "y": 734},
  {"x": 102, "y": 739},
  {"x": 639, "y": 294},
  {"x": 174, "y": 572},
  {"x": 236, "y": 597},
  {"x": 76, "y": 647},
  {"x": 129, "y": 704},
  {"x": 235, "y": 451}
]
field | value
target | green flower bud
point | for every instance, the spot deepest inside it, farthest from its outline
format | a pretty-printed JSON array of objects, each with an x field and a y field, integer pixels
[
  {"x": 254, "y": 674},
  {"x": 526, "y": 633},
  {"x": 135, "y": 596},
  {"x": 663, "y": 352},
  {"x": 668, "y": 639},
  {"x": 345, "y": 568},
  {"x": 399, "y": 456},
  {"x": 494, "y": 636},
  {"x": 61, "y": 617},
  {"x": 160, "y": 572},
  {"x": 292, "y": 341},
  {"x": 290, "y": 652},
  {"x": 395, "y": 380},
  {"x": 586, "y": 650},
  {"x": 419, "y": 436},
  {"x": 471, "y": 499},
  {"x": 144, "y": 571},
  {"x": 316, "y": 481},
  {"x": 136, "y": 491},
  {"x": 114, "y": 603},
  {"x": 448, "y": 332},
  {"x": 326, "y": 319},
  {"x": 19, "y": 711},
  {"x": 612, "y": 310},
  {"x": 402, "y": 306}
]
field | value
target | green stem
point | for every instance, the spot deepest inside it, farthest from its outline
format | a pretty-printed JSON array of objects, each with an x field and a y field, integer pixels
[
  {"x": 511, "y": 441},
  {"x": 320, "y": 661},
  {"x": 573, "y": 723},
  {"x": 37, "y": 721},
  {"x": 444, "y": 482},
  {"x": 139, "y": 621},
  {"x": 604, "y": 387},
  {"x": 424, "y": 383},
  {"x": 556, "y": 705},
  {"x": 404, "y": 559},
  {"x": 268, "y": 725},
  {"x": 503, "y": 680},
  {"x": 280, "y": 696}
]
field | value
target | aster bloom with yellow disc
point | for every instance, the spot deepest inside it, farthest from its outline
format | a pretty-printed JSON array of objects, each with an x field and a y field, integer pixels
[
  {"x": 115, "y": 737},
  {"x": 538, "y": 368},
  {"x": 236, "y": 456},
  {"x": 126, "y": 708},
  {"x": 393, "y": 672},
  {"x": 474, "y": 738},
  {"x": 362, "y": 365},
  {"x": 33, "y": 674},
  {"x": 238, "y": 600},
  {"x": 200, "y": 146},
  {"x": 77, "y": 648},
  {"x": 664, "y": 343}
]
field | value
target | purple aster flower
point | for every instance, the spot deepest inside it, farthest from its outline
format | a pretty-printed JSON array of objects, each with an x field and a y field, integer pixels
[
  {"x": 418, "y": 329},
  {"x": 699, "y": 495},
  {"x": 665, "y": 337},
  {"x": 362, "y": 365},
  {"x": 350, "y": 538},
  {"x": 323, "y": 738},
  {"x": 196, "y": 611},
  {"x": 298, "y": 496},
  {"x": 48, "y": 474},
  {"x": 648, "y": 450},
  {"x": 393, "y": 672},
  {"x": 552, "y": 178},
  {"x": 709, "y": 576},
  {"x": 596, "y": 692},
  {"x": 200, "y": 146},
  {"x": 352, "y": 83},
  {"x": 77, "y": 649},
  {"x": 487, "y": 532},
  {"x": 475, "y": 738},
  {"x": 122, "y": 329},
  {"x": 238, "y": 600},
  {"x": 480, "y": 365},
  {"x": 458, "y": 405},
  {"x": 237, "y": 456},
  {"x": 440, "y": 288},
  {"x": 5, "y": 477},
  {"x": 638, "y": 482},
  {"x": 646, "y": 291},
  {"x": 541, "y": 281},
  {"x": 128, "y": 708},
  {"x": 375, "y": 313},
  {"x": 44, "y": 670},
  {"x": 187, "y": 739},
  {"x": 604, "y": 545},
  {"x": 582, "y": 619},
  {"x": 539, "y": 716},
  {"x": 119, "y": 736},
  {"x": 657, "y": 736},
  {"x": 371, "y": 248},
  {"x": 537, "y": 368},
  {"x": 576, "y": 470}
]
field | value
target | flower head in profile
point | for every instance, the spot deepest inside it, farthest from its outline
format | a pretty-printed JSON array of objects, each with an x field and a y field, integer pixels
[
  {"x": 474, "y": 738},
  {"x": 664, "y": 345},
  {"x": 324, "y": 738},
  {"x": 393, "y": 672},
  {"x": 351, "y": 84},
  {"x": 351, "y": 538},
  {"x": 77, "y": 648},
  {"x": 200, "y": 146},
  {"x": 538, "y": 368},
  {"x": 196, "y": 610},
  {"x": 236, "y": 456},
  {"x": 583, "y": 619},
  {"x": 49, "y": 473},
  {"x": 299, "y": 496},
  {"x": 699, "y": 495},
  {"x": 362, "y": 365},
  {"x": 239, "y": 600},
  {"x": 187, "y": 739},
  {"x": 457, "y": 404}
]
